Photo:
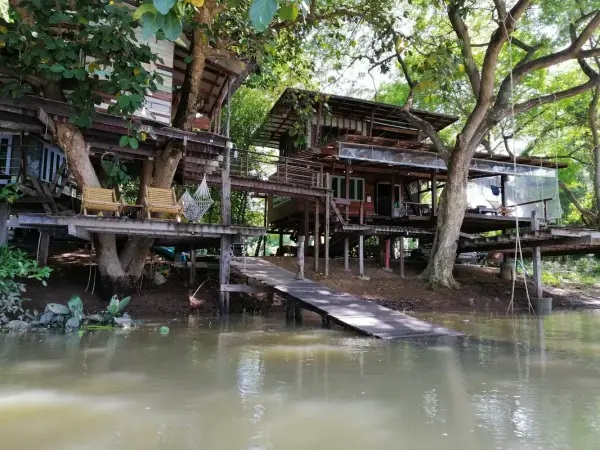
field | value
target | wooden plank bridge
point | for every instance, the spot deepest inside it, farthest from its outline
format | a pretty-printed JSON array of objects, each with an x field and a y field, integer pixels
[{"x": 346, "y": 310}]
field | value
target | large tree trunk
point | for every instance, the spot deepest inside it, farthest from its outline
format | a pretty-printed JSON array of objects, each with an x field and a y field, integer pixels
[
  {"x": 114, "y": 278},
  {"x": 593, "y": 122},
  {"x": 451, "y": 212}
]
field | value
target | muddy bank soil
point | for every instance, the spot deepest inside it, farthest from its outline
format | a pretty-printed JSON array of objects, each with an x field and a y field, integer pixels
[{"x": 481, "y": 289}]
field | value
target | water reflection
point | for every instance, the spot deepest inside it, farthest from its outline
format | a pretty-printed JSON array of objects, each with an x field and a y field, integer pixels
[{"x": 252, "y": 383}]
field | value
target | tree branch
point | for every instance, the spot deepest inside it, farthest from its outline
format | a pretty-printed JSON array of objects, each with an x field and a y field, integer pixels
[
  {"x": 462, "y": 31},
  {"x": 586, "y": 213},
  {"x": 551, "y": 98},
  {"x": 431, "y": 132},
  {"x": 572, "y": 52},
  {"x": 490, "y": 65}
]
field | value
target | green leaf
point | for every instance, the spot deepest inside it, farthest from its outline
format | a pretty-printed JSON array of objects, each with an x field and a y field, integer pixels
[
  {"x": 123, "y": 141},
  {"x": 261, "y": 13},
  {"x": 123, "y": 303},
  {"x": 188, "y": 59},
  {"x": 143, "y": 9},
  {"x": 288, "y": 12},
  {"x": 164, "y": 6},
  {"x": 133, "y": 143},
  {"x": 113, "y": 306},
  {"x": 151, "y": 23},
  {"x": 57, "y": 68},
  {"x": 123, "y": 101},
  {"x": 172, "y": 27}
]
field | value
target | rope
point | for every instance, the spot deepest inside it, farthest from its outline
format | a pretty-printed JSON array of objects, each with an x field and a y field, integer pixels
[{"x": 518, "y": 250}]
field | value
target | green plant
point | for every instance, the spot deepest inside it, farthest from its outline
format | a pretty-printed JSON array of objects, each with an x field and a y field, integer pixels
[
  {"x": 9, "y": 193},
  {"x": 72, "y": 316},
  {"x": 15, "y": 266}
]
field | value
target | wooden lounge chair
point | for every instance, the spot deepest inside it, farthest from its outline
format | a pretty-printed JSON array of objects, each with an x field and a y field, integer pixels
[
  {"x": 159, "y": 200},
  {"x": 100, "y": 199}
]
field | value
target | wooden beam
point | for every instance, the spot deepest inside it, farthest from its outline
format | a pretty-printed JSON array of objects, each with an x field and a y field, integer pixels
[
  {"x": 317, "y": 237},
  {"x": 327, "y": 222},
  {"x": 42, "y": 250},
  {"x": 246, "y": 289},
  {"x": 4, "y": 216}
]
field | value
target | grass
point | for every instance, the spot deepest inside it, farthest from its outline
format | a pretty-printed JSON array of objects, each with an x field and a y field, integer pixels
[{"x": 569, "y": 270}]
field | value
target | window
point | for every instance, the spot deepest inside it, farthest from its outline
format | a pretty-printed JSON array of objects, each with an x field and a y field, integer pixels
[{"x": 357, "y": 188}]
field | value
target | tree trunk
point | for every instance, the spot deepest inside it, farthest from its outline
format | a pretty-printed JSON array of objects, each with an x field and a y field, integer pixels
[
  {"x": 115, "y": 277},
  {"x": 451, "y": 212},
  {"x": 593, "y": 121}
]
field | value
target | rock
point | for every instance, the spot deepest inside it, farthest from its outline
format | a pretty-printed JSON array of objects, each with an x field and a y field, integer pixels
[
  {"x": 17, "y": 325},
  {"x": 72, "y": 324},
  {"x": 124, "y": 322},
  {"x": 57, "y": 308},
  {"x": 46, "y": 318}
]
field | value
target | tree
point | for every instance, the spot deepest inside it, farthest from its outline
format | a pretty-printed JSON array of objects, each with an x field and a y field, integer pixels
[
  {"x": 42, "y": 52},
  {"x": 496, "y": 50}
]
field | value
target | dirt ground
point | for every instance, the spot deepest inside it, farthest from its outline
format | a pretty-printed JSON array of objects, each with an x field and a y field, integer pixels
[{"x": 481, "y": 290}]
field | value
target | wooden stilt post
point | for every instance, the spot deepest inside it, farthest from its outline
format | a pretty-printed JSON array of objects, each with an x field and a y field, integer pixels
[
  {"x": 281, "y": 242},
  {"x": 326, "y": 232},
  {"x": 387, "y": 254},
  {"x": 300, "y": 257},
  {"x": 361, "y": 239},
  {"x": 537, "y": 260},
  {"x": 346, "y": 254},
  {"x": 289, "y": 311},
  {"x": 347, "y": 240},
  {"x": 192, "y": 266},
  {"x": 401, "y": 257},
  {"x": 306, "y": 227},
  {"x": 42, "y": 251},
  {"x": 503, "y": 179},
  {"x": 4, "y": 213},
  {"x": 224, "y": 263},
  {"x": 298, "y": 319},
  {"x": 317, "y": 237},
  {"x": 434, "y": 193}
]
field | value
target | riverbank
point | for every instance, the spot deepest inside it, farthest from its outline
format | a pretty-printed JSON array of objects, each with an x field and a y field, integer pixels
[{"x": 481, "y": 289}]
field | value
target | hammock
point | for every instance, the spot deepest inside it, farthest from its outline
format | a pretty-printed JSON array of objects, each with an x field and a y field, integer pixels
[{"x": 197, "y": 204}]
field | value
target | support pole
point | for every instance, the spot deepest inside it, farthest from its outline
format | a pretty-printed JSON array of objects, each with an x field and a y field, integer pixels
[
  {"x": 387, "y": 254},
  {"x": 4, "y": 213},
  {"x": 192, "y": 266},
  {"x": 361, "y": 240},
  {"x": 434, "y": 193},
  {"x": 503, "y": 191},
  {"x": 327, "y": 206},
  {"x": 281, "y": 242},
  {"x": 347, "y": 207},
  {"x": 346, "y": 254},
  {"x": 300, "y": 257},
  {"x": 401, "y": 257},
  {"x": 42, "y": 252},
  {"x": 306, "y": 227},
  {"x": 224, "y": 263},
  {"x": 317, "y": 237},
  {"x": 392, "y": 189},
  {"x": 537, "y": 260}
]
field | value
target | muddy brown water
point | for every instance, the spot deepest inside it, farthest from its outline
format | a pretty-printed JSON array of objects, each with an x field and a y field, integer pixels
[{"x": 253, "y": 383}]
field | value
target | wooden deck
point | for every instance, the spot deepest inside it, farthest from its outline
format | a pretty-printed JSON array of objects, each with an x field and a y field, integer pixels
[{"x": 346, "y": 310}]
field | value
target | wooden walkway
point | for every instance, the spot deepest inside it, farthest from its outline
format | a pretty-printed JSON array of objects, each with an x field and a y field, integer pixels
[{"x": 346, "y": 310}]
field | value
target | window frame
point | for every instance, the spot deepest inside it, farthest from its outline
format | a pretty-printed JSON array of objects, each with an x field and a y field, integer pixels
[{"x": 338, "y": 181}]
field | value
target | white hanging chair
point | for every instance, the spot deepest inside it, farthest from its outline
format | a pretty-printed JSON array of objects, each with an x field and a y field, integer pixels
[{"x": 197, "y": 204}]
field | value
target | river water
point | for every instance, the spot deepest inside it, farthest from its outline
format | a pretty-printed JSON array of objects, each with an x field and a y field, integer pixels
[{"x": 253, "y": 383}]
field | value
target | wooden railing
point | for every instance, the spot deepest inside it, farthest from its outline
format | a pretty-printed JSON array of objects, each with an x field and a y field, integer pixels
[{"x": 276, "y": 169}]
